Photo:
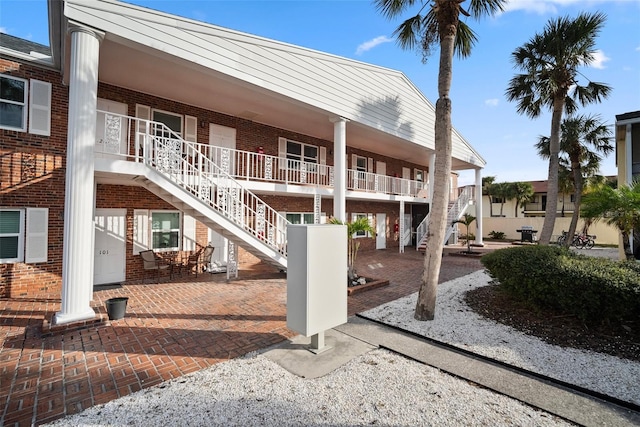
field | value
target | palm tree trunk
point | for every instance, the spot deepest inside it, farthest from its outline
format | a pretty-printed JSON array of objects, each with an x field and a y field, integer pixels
[
  {"x": 626, "y": 245},
  {"x": 426, "y": 304},
  {"x": 577, "y": 199},
  {"x": 552, "y": 181}
]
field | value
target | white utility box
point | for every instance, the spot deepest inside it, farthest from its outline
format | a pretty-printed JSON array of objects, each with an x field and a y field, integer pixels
[{"x": 316, "y": 277}]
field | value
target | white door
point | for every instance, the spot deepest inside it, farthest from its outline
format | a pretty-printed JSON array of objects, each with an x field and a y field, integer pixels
[
  {"x": 222, "y": 137},
  {"x": 219, "y": 257},
  {"x": 381, "y": 231},
  {"x": 110, "y": 246},
  {"x": 111, "y": 131},
  {"x": 407, "y": 229},
  {"x": 381, "y": 169}
]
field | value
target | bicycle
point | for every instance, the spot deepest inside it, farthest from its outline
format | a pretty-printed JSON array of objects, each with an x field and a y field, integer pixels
[
  {"x": 583, "y": 241},
  {"x": 562, "y": 238}
]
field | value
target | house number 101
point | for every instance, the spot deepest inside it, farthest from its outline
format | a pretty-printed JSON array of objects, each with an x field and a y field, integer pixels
[{"x": 104, "y": 252}]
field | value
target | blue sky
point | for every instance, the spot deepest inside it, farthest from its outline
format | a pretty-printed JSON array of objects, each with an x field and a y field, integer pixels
[{"x": 481, "y": 113}]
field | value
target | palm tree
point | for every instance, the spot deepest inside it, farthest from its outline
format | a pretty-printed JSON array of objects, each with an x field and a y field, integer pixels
[
  {"x": 504, "y": 191},
  {"x": 467, "y": 221},
  {"x": 360, "y": 226},
  {"x": 550, "y": 63},
  {"x": 487, "y": 189},
  {"x": 438, "y": 23},
  {"x": 584, "y": 140},
  {"x": 523, "y": 193},
  {"x": 619, "y": 207}
]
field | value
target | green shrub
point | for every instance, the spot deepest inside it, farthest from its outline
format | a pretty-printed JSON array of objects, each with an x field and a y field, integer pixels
[
  {"x": 497, "y": 235},
  {"x": 549, "y": 277}
]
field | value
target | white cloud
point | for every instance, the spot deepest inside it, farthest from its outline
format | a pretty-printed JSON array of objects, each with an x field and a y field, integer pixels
[
  {"x": 493, "y": 102},
  {"x": 542, "y": 7},
  {"x": 638, "y": 49},
  {"x": 3, "y": 30},
  {"x": 599, "y": 59},
  {"x": 372, "y": 43}
]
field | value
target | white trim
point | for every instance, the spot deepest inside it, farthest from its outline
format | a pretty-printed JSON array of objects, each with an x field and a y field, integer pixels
[
  {"x": 20, "y": 234},
  {"x": 165, "y": 230},
  {"x": 40, "y": 108},
  {"x": 188, "y": 233},
  {"x": 24, "y": 104},
  {"x": 140, "y": 230},
  {"x": 36, "y": 235},
  {"x": 190, "y": 129}
]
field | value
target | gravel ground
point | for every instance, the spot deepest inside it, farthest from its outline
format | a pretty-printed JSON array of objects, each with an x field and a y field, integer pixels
[
  {"x": 379, "y": 388},
  {"x": 455, "y": 323}
]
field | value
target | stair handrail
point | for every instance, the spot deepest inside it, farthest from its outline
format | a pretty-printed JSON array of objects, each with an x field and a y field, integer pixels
[
  {"x": 454, "y": 213},
  {"x": 162, "y": 149},
  {"x": 456, "y": 210}
]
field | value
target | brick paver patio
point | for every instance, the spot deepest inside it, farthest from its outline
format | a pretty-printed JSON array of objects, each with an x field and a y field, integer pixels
[{"x": 170, "y": 329}]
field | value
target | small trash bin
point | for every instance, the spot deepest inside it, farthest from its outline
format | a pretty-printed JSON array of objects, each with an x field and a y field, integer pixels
[{"x": 116, "y": 307}]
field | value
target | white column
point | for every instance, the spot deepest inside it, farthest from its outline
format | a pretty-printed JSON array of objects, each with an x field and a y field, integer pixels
[
  {"x": 401, "y": 228},
  {"x": 628, "y": 156},
  {"x": 340, "y": 168},
  {"x": 478, "y": 202},
  {"x": 432, "y": 174},
  {"x": 628, "y": 142},
  {"x": 77, "y": 257}
]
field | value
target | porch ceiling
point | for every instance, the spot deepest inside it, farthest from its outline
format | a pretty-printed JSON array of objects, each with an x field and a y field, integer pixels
[{"x": 126, "y": 64}]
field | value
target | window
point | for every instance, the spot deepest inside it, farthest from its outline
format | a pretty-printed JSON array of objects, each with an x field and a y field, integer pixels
[
  {"x": 495, "y": 199},
  {"x": 418, "y": 175},
  {"x": 357, "y": 216},
  {"x": 11, "y": 236},
  {"x": 302, "y": 152},
  {"x": 170, "y": 120},
  {"x": 13, "y": 103},
  {"x": 360, "y": 163},
  {"x": 300, "y": 218},
  {"x": 165, "y": 230},
  {"x": 23, "y": 235}
]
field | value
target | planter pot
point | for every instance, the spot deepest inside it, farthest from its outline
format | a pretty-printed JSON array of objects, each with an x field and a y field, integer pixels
[{"x": 116, "y": 307}]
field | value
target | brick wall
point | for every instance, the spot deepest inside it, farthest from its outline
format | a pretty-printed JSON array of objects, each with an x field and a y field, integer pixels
[{"x": 32, "y": 173}]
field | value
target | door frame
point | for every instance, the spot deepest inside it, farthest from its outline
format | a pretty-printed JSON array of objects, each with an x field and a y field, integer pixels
[
  {"x": 381, "y": 231},
  {"x": 120, "y": 212}
]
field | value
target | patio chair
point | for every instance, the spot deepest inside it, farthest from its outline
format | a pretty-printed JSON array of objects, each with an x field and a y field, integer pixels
[
  {"x": 200, "y": 261},
  {"x": 151, "y": 262}
]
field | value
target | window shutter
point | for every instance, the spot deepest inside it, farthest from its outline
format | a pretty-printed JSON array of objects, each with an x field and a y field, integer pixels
[
  {"x": 190, "y": 129},
  {"x": 188, "y": 233},
  {"x": 371, "y": 223},
  {"x": 40, "y": 108},
  {"x": 323, "y": 160},
  {"x": 143, "y": 112},
  {"x": 140, "y": 230},
  {"x": 354, "y": 162},
  {"x": 36, "y": 241},
  {"x": 370, "y": 165},
  {"x": 282, "y": 152}
]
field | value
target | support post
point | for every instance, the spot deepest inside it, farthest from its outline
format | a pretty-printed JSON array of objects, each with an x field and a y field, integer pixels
[
  {"x": 340, "y": 168},
  {"x": 478, "y": 201},
  {"x": 79, "y": 194}
]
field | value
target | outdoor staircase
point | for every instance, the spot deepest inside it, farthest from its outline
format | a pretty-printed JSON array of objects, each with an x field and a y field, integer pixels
[
  {"x": 179, "y": 173},
  {"x": 455, "y": 211}
]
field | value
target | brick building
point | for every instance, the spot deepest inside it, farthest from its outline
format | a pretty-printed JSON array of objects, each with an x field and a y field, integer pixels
[{"x": 140, "y": 130}]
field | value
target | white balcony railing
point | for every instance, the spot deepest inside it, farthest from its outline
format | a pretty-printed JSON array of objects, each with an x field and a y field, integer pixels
[{"x": 116, "y": 135}]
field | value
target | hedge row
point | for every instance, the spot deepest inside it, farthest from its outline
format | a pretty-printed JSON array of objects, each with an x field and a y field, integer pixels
[{"x": 593, "y": 289}]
